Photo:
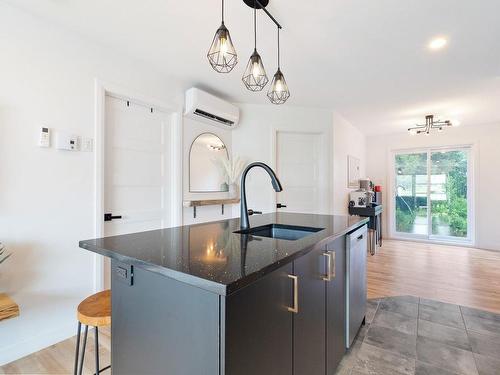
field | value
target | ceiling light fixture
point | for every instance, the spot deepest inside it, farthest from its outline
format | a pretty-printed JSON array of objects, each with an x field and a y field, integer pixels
[
  {"x": 222, "y": 54},
  {"x": 429, "y": 125},
  {"x": 255, "y": 77},
  {"x": 278, "y": 92},
  {"x": 437, "y": 43}
]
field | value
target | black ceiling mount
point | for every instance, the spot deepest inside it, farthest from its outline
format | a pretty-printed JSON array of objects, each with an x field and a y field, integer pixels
[
  {"x": 259, "y": 4},
  {"x": 262, "y": 4}
]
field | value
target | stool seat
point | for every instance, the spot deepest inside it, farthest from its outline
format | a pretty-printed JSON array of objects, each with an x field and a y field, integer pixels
[{"x": 96, "y": 309}]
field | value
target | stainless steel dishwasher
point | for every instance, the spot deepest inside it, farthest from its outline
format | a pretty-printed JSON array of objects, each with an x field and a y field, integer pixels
[{"x": 356, "y": 254}]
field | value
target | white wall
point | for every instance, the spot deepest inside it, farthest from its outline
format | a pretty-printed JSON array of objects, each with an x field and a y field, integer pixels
[
  {"x": 47, "y": 196},
  {"x": 485, "y": 139},
  {"x": 347, "y": 140},
  {"x": 253, "y": 141}
]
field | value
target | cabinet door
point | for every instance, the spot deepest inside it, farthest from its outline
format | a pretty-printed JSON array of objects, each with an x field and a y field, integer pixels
[
  {"x": 162, "y": 326},
  {"x": 309, "y": 347},
  {"x": 258, "y": 326},
  {"x": 335, "y": 307}
]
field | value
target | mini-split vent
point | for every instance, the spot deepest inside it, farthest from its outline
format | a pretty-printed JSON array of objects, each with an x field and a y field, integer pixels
[
  {"x": 204, "y": 107},
  {"x": 210, "y": 116}
]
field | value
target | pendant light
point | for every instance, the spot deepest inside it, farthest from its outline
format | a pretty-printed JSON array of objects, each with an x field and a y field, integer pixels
[
  {"x": 222, "y": 54},
  {"x": 278, "y": 92},
  {"x": 255, "y": 77}
]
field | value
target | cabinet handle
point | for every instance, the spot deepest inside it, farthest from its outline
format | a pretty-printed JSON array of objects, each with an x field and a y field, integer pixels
[
  {"x": 333, "y": 265},
  {"x": 330, "y": 269},
  {"x": 295, "y": 308},
  {"x": 328, "y": 256}
]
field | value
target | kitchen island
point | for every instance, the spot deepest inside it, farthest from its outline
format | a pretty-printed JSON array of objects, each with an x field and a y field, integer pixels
[{"x": 202, "y": 299}]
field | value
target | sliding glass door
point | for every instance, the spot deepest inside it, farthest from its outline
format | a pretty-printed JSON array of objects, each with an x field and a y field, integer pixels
[{"x": 432, "y": 194}]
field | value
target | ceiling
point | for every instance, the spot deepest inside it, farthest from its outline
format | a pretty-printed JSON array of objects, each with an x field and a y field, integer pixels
[{"x": 369, "y": 60}]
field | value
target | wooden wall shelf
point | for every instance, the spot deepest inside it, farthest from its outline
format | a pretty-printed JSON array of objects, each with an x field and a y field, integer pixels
[
  {"x": 210, "y": 202},
  {"x": 8, "y": 308}
]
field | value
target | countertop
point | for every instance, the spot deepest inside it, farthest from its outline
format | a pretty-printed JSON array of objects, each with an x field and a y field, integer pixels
[{"x": 212, "y": 257}]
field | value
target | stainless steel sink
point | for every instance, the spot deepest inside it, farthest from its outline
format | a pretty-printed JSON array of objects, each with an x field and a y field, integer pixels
[{"x": 281, "y": 231}]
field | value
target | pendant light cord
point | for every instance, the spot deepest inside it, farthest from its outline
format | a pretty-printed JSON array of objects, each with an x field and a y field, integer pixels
[
  {"x": 278, "y": 48},
  {"x": 222, "y": 11},
  {"x": 255, "y": 24}
]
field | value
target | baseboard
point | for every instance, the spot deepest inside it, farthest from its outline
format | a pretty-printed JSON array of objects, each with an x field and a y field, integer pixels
[
  {"x": 435, "y": 242},
  {"x": 36, "y": 342}
]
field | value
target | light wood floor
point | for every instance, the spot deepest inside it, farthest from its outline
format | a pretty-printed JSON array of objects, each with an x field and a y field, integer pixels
[
  {"x": 59, "y": 358},
  {"x": 459, "y": 275}
]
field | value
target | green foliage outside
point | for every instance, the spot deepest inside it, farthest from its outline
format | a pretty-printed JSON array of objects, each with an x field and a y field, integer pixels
[
  {"x": 450, "y": 213},
  {"x": 404, "y": 220}
]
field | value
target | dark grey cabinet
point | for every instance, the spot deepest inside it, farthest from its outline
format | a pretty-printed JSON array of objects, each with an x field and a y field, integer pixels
[
  {"x": 309, "y": 347},
  {"x": 335, "y": 306},
  {"x": 289, "y": 322},
  {"x": 258, "y": 326},
  {"x": 159, "y": 324}
]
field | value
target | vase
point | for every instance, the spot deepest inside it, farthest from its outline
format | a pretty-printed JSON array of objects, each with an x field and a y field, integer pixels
[{"x": 233, "y": 190}]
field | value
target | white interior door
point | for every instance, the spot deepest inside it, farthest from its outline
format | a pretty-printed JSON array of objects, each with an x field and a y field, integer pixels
[
  {"x": 302, "y": 167},
  {"x": 137, "y": 169}
]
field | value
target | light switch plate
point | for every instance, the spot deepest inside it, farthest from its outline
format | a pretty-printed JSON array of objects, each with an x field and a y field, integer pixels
[{"x": 87, "y": 144}]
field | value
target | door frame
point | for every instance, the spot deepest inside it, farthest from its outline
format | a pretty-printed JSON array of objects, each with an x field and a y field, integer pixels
[
  {"x": 470, "y": 241},
  {"x": 328, "y": 152},
  {"x": 103, "y": 89}
]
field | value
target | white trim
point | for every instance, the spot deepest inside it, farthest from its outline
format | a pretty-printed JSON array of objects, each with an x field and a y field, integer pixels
[
  {"x": 273, "y": 162},
  {"x": 100, "y": 103},
  {"x": 102, "y": 89},
  {"x": 177, "y": 167},
  {"x": 431, "y": 241},
  {"x": 472, "y": 181}
]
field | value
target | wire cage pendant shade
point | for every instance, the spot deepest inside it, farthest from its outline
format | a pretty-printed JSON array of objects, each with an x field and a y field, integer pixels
[
  {"x": 255, "y": 76},
  {"x": 278, "y": 92},
  {"x": 222, "y": 54}
]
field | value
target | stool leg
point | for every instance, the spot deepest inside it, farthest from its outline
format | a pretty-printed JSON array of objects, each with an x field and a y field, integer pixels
[
  {"x": 96, "y": 351},
  {"x": 83, "y": 349},
  {"x": 77, "y": 347}
]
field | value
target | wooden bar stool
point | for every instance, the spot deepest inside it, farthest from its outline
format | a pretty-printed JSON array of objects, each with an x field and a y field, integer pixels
[{"x": 92, "y": 311}]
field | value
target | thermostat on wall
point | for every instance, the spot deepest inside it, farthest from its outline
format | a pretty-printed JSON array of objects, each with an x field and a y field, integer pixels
[
  {"x": 66, "y": 141},
  {"x": 44, "y": 140}
]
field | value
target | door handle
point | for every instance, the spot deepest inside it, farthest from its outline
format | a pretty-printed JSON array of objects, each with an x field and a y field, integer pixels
[
  {"x": 109, "y": 217},
  {"x": 279, "y": 205},
  {"x": 330, "y": 265},
  {"x": 295, "y": 308},
  {"x": 252, "y": 212}
]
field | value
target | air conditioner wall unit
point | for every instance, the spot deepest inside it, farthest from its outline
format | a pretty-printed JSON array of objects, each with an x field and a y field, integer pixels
[{"x": 209, "y": 109}]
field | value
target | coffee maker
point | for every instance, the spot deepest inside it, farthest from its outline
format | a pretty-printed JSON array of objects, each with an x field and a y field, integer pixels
[{"x": 363, "y": 197}]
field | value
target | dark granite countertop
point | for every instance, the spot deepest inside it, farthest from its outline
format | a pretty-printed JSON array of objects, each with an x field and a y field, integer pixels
[{"x": 212, "y": 257}]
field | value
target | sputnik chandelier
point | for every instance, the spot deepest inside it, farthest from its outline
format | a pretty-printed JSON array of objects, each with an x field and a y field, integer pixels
[
  {"x": 223, "y": 58},
  {"x": 429, "y": 125}
]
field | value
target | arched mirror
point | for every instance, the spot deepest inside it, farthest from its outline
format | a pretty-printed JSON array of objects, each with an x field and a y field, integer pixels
[{"x": 205, "y": 172}]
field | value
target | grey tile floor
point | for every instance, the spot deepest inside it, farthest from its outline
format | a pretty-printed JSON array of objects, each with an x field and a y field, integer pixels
[{"x": 417, "y": 336}]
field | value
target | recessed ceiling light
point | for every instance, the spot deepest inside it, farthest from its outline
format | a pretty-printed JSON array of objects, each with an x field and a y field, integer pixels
[{"x": 437, "y": 43}]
